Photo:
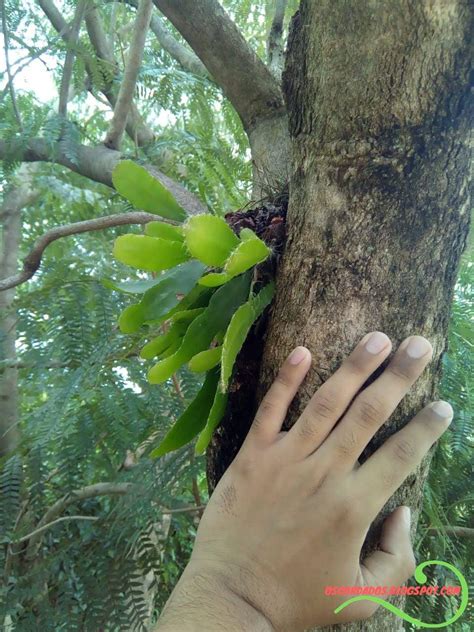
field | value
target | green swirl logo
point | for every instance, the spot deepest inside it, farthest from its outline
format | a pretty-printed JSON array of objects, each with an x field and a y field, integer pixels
[{"x": 421, "y": 579}]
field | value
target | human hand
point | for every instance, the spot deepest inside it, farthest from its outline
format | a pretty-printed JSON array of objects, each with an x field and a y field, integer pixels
[{"x": 291, "y": 513}]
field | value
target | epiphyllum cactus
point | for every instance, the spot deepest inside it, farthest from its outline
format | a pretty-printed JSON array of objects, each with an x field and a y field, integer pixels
[{"x": 208, "y": 325}]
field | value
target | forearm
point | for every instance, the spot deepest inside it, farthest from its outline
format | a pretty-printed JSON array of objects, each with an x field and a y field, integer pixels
[{"x": 202, "y": 601}]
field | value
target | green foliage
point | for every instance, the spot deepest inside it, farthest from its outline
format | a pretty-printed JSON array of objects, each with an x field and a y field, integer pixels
[
  {"x": 246, "y": 255},
  {"x": 144, "y": 191},
  {"x": 209, "y": 239},
  {"x": 192, "y": 420},
  {"x": 192, "y": 331},
  {"x": 216, "y": 412},
  {"x": 149, "y": 253},
  {"x": 160, "y": 300},
  {"x": 203, "y": 329},
  {"x": 196, "y": 321},
  {"x": 239, "y": 328},
  {"x": 164, "y": 231},
  {"x": 205, "y": 360},
  {"x": 85, "y": 400}
]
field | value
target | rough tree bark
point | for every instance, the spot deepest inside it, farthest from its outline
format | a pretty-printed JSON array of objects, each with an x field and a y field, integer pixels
[
  {"x": 21, "y": 194},
  {"x": 378, "y": 217}
]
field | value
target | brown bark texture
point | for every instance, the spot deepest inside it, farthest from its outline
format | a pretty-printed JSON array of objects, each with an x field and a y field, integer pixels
[{"x": 379, "y": 107}]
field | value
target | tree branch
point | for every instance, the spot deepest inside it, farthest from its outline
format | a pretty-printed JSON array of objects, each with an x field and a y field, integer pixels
[
  {"x": 132, "y": 68},
  {"x": 45, "y": 527},
  {"x": 185, "y": 57},
  {"x": 275, "y": 45},
  {"x": 70, "y": 55},
  {"x": 91, "y": 491},
  {"x": 39, "y": 531},
  {"x": 7, "y": 64},
  {"x": 136, "y": 128},
  {"x": 32, "y": 261},
  {"x": 97, "y": 163},
  {"x": 244, "y": 78},
  {"x": 459, "y": 532}
]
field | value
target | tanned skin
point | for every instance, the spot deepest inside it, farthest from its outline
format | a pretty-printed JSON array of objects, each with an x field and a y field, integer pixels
[{"x": 290, "y": 514}]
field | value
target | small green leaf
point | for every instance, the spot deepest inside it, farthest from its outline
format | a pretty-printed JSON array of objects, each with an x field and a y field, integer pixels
[
  {"x": 209, "y": 239},
  {"x": 205, "y": 360},
  {"x": 239, "y": 328},
  {"x": 149, "y": 253},
  {"x": 247, "y": 233},
  {"x": 143, "y": 285},
  {"x": 215, "y": 415},
  {"x": 158, "y": 302},
  {"x": 187, "y": 315},
  {"x": 164, "y": 231},
  {"x": 246, "y": 255},
  {"x": 144, "y": 191},
  {"x": 131, "y": 319},
  {"x": 193, "y": 420},
  {"x": 202, "y": 330},
  {"x": 131, "y": 287},
  {"x": 160, "y": 344},
  {"x": 214, "y": 279}
]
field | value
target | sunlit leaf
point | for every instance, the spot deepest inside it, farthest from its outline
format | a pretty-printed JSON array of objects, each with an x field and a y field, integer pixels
[
  {"x": 247, "y": 254},
  {"x": 209, "y": 239},
  {"x": 160, "y": 344},
  {"x": 164, "y": 231},
  {"x": 149, "y": 253},
  {"x": 205, "y": 360},
  {"x": 144, "y": 191}
]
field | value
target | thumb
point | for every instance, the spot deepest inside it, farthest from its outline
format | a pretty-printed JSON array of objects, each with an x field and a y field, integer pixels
[{"x": 395, "y": 562}]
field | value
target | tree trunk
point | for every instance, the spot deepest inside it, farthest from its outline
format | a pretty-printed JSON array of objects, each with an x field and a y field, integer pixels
[
  {"x": 19, "y": 196},
  {"x": 378, "y": 216}
]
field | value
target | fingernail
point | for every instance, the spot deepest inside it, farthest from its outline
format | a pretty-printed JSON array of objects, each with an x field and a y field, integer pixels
[
  {"x": 377, "y": 342},
  {"x": 406, "y": 511},
  {"x": 418, "y": 347},
  {"x": 442, "y": 409},
  {"x": 297, "y": 355}
]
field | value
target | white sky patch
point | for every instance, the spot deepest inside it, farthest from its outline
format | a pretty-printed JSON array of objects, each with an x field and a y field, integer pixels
[
  {"x": 35, "y": 76},
  {"x": 123, "y": 373}
]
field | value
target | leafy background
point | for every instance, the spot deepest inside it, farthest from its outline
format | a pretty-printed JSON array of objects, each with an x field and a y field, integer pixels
[{"x": 85, "y": 400}]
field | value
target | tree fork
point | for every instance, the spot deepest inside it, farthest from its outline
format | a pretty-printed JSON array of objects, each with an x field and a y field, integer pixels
[{"x": 378, "y": 217}]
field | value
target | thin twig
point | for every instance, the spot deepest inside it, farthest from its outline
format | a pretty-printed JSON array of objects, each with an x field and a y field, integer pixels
[
  {"x": 186, "y": 58},
  {"x": 32, "y": 261},
  {"x": 132, "y": 67},
  {"x": 40, "y": 530},
  {"x": 70, "y": 55},
  {"x": 7, "y": 64},
  {"x": 199, "y": 508},
  {"x": 90, "y": 491},
  {"x": 27, "y": 60}
]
